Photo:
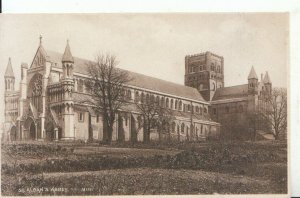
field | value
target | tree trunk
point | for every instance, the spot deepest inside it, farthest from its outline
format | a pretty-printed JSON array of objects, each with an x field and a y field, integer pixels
[
  {"x": 110, "y": 132},
  {"x": 146, "y": 138}
]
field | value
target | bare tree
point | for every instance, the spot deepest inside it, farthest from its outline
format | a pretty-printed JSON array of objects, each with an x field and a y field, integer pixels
[
  {"x": 153, "y": 116},
  {"x": 108, "y": 90},
  {"x": 254, "y": 118},
  {"x": 163, "y": 122},
  {"x": 275, "y": 112}
]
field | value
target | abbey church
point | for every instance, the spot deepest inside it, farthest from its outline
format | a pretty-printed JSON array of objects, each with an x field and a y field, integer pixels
[{"x": 52, "y": 102}]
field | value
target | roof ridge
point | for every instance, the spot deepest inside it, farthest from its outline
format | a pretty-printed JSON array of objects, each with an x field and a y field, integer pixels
[
  {"x": 84, "y": 59},
  {"x": 169, "y": 87}
]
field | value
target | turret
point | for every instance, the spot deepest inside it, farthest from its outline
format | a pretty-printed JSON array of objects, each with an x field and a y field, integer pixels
[
  {"x": 68, "y": 87},
  {"x": 252, "y": 82},
  {"x": 67, "y": 61},
  {"x": 267, "y": 83},
  {"x": 9, "y": 77}
]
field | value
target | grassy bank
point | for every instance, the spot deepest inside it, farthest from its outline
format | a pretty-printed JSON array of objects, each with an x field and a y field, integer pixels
[{"x": 205, "y": 168}]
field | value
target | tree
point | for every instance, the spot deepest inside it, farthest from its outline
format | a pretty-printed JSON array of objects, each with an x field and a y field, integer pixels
[
  {"x": 275, "y": 112},
  {"x": 154, "y": 115},
  {"x": 163, "y": 122},
  {"x": 254, "y": 119},
  {"x": 108, "y": 90}
]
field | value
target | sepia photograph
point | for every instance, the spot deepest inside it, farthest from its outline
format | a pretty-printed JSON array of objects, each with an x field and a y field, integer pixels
[{"x": 144, "y": 104}]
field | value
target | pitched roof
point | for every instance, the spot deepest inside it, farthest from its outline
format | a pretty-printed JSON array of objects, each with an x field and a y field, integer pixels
[
  {"x": 138, "y": 80},
  {"x": 267, "y": 78},
  {"x": 67, "y": 56},
  {"x": 252, "y": 74},
  {"x": 9, "y": 70},
  {"x": 238, "y": 91}
]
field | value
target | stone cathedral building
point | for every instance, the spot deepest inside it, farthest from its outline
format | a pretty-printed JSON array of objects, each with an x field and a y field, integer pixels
[{"x": 52, "y": 102}]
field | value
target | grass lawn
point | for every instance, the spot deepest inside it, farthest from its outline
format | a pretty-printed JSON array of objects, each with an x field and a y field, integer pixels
[{"x": 79, "y": 169}]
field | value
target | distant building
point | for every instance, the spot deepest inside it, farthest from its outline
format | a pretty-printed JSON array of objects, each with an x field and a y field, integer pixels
[
  {"x": 52, "y": 102},
  {"x": 230, "y": 106}
]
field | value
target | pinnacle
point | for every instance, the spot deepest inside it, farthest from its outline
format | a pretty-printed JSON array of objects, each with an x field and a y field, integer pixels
[
  {"x": 67, "y": 57},
  {"x": 252, "y": 74},
  {"x": 267, "y": 78},
  {"x": 9, "y": 70}
]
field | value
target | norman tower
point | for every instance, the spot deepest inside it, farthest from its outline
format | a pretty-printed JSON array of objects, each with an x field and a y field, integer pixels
[
  {"x": 204, "y": 72},
  {"x": 68, "y": 87}
]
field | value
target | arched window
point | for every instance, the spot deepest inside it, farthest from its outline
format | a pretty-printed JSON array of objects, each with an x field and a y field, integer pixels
[
  {"x": 173, "y": 127},
  {"x": 142, "y": 98},
  {"x": 152, "y": 98},
  {"x": 180, "y": 105},
  {"x": 213, "y": 86},
  {"x": 171, "y": 106},
  {"x": 147, "y": 98},
  {"x": 157, "y": 100},
  {"x": 162, "y": 102},
  {"x": 212, "y": 66},
  {"x": 129, "y": 94},
  {"x": 178, "y": 129},
  {"x": 167, "y": 103},
  {"x": 189, "y": 107},
  {"x": 136, "y": 96},
  {"x": 182, "y": 128},
  {"x": 205, "y": 110},
  {"x": 197, "y": 109},
  {"x": 175, "y": 104},
  {"x": 80, "y": 85}
]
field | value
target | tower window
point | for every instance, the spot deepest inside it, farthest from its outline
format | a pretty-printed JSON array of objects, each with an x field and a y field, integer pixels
[
  {"x": 97, "y": 119},
  {"x": 81, "y": 117},
  {"x": 182, "y": 128}
]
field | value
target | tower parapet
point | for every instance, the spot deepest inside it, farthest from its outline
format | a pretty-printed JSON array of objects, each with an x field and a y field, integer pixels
[{"x": 205, "y": 72}]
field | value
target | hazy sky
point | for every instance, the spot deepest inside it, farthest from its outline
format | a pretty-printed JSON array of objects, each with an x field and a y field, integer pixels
[{"x": 154, "y": 44}]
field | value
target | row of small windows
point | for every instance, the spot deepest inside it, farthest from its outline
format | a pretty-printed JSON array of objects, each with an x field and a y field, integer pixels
[
  {"x": 142, "y": 97},
  {"x": 168, "y": 103},
  {"x": 216, "y": 68},
  {"x": 228, "y": 109},
  {"x": 213, "y": 67},
  {"x": 194, "y": 68},
  {"x": 9, "y": 84},
  {"x": 11, "y": 103}
]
